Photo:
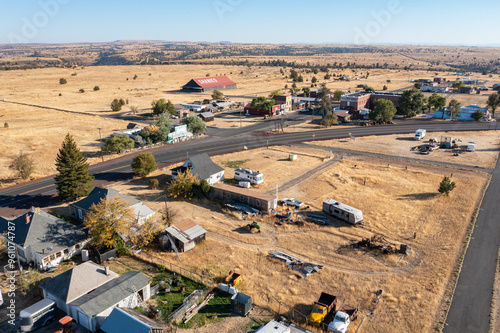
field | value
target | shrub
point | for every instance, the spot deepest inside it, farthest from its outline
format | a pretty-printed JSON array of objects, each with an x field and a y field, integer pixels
[
  {"x": 144, "y": 164},
  {"x": 96, "y": 88},
  {"x": 81, "y": 90},
  {"x": 154, "y": 183},
  {"x": 63, "y": 81},
  {"x": 6, "y": 125}
]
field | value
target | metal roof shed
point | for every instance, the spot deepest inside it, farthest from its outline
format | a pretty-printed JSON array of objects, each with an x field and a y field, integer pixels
[{"x": 241, "y": 303}]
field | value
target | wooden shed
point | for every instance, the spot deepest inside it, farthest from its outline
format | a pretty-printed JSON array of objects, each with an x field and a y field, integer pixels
[{"x": 185, "y": 235}]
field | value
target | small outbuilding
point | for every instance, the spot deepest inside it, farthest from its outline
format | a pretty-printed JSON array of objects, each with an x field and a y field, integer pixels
[
  {"x": 252, "y": 198},
  {"x": 209, "y": 84},
  {"x": 185, "y": 235},
  {"x": 207, "y": 116},
  {"x": 241, "y": 303}
]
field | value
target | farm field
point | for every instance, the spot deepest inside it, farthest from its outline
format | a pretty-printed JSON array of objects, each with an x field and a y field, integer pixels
[{"x": 396, "y": 202}]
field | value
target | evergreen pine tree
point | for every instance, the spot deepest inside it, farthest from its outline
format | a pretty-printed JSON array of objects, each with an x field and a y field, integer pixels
[{"x": 74, "y": 179}]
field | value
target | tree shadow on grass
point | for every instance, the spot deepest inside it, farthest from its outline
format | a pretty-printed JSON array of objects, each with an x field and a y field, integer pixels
[{"x": 418, "y": 196}]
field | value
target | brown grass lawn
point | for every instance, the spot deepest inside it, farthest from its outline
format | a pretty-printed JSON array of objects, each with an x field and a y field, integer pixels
[{"x": 396, "y": 203}]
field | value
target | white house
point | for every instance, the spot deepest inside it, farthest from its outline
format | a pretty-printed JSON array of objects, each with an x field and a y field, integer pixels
[
  {"x": 203, "y": 167},
  {"x": 92, "y": 309},
  {"x": 76, "y": 282},
  {"x": 82, "y": 207},
  {"x": 43, "y": 239}
]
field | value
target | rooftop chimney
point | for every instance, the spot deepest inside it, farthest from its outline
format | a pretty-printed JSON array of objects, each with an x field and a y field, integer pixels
[{"x": 106, "y": 270}]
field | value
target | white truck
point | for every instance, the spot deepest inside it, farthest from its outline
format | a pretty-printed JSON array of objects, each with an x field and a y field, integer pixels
[
  {"x": 254, "y": 177},
  {"x": 343, "y": 318},
  {"x": 419, "y": 134}
]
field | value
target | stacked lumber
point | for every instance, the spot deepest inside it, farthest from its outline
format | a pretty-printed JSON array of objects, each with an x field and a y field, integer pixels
[{"x": 194, "y": 309}]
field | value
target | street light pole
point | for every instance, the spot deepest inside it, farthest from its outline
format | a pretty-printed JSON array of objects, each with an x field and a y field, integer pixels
[{"x": 100, "y": 139}]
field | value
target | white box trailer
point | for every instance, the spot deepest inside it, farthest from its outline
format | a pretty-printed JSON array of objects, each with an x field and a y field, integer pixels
[
  {"x": 419, "y": 134},
  {"x": 254, "y": 177},
  {"x": 343, "y": 212}
]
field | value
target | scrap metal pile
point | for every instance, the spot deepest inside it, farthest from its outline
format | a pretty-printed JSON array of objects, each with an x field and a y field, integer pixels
[
  {"x": 303, "y": 267},
  {"x": 378, "y": 242}
]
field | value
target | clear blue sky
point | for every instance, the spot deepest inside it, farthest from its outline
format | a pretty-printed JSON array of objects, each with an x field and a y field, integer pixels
[{"x": 433, "y": 22}]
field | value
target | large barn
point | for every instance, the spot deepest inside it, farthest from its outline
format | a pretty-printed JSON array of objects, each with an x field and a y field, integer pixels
[{"x": 209, "y": 84}]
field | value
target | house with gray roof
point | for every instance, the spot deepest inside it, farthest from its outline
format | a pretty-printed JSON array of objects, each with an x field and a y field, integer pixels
[
  {"x": 203, "y": 167},
  {"x": 43, "y": 239},
  {"x": 76, "y": 282},
  {"x": 92, "y": 309},
  {"x": 80, "y": 208},
  {"x": 127, "y": 320}
]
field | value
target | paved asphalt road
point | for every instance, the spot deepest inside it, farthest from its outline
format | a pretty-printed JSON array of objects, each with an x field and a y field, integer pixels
[
  {"x": 41, "y": 192},
  {"x": 471, "y": 304}
]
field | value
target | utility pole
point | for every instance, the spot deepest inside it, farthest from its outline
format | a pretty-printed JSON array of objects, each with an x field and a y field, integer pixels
[
  {"x": 100, "y": 139},
  {"x": 240, "y": 117}
]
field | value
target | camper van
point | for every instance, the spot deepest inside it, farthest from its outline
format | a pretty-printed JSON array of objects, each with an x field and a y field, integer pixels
[
  {"x": 419, "y": 134},
  {"x": 343, "y": 212},
  {"x": 254, "y": 177},
  {"x": 38, "y": 315}
]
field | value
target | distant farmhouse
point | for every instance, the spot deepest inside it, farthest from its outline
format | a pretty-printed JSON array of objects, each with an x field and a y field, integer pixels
[{"x": 209, "y": 84}]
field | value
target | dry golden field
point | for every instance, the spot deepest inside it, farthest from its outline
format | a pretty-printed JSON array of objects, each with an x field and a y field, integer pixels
[
  {"x": 40, "y": 130},
  {"x": 396, "y": 202}
]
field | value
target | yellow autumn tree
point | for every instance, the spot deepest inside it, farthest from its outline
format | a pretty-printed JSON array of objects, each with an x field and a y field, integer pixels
[
  {"x": 147, "y": 232},
  {"x": 108, "y": 218},
  {"x": 183, "y": 186}
]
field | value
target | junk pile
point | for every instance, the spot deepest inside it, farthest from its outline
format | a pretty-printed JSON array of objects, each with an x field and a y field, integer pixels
[
  {"x": 303, "y": 267},
  {"x": 378, "y": 242}
]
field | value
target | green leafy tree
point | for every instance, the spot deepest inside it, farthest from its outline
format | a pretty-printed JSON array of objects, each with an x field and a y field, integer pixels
[
  {"x": 275, "y": 93},
  {"x": 384, "y": 110},
  {"x": 412, "y": 102},
  {"x": 262, "y": 103},
  {"x": 453, "y": 108},
  {"x": 217, "y": 95},
  {"x": 325, "y": 103},
  {"x": 182, "y": 187},
  {"x": 330, "y": 119},
  {"x": 493, "y": 102},
  {"x": 118, "y": 143},
  {"x": 369, "y": 89},
  {"x": 314, "y": 79},
  {"x": 436, "y": 102},
  {"x": 29, "y": 280},
  {"x": 164, "y": 126},
  {"x": 108, "y": 218},
  {"x": 116, "y": 105},
  {"x": 161, "y": 106},
  {"x": 74, "y": 179},
  {"x": 477, "y": 115},
  {"x": 306, "y": 91},
  {"x": 294, "y": 75},
  {"x": 23, "y": 165},
  {"x": 147, "y": 232},
  {"x": 144, "y": 164},
  {"x": 204, "y": 186},
  {"x": 446, "y": 186},
  {"x": 337, "y": 94},
  {"x": 457, "y": 84},
  {"x": 195, "y": 124}
]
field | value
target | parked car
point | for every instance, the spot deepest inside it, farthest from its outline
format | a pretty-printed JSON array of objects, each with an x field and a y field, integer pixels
[{"x": 291, "y": 202}]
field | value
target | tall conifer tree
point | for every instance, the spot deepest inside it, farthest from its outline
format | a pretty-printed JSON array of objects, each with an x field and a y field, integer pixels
[{"x": 74, "y": 179}]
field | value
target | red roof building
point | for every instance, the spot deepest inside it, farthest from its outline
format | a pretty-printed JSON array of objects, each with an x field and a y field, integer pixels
[{"x": 209, "y": 84}]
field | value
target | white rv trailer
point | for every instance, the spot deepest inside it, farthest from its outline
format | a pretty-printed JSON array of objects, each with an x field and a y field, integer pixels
[
  {"x": 343, "y": 212},
  {"x": 254, "y": 177}
]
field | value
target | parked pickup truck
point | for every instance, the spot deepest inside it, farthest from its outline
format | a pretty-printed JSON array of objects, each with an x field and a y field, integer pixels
[
  {"x": 322, "y": 307},
  {"x": 343, "y": 318}
]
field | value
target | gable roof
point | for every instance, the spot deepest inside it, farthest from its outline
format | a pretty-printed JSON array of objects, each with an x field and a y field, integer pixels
[
  {"x": 210, "y": 82},
  {"x": 45, "y": 233},
  {"x": 202, "y": 166},
  {"x": 77, "y": 281},
  {"x": 127, "y": 320},
  {"x": 206, "y": 115},
  {"x": 99, "y": 193},
  {"x": 186, "y": 230},
  {"x": 111, "y": 293}
]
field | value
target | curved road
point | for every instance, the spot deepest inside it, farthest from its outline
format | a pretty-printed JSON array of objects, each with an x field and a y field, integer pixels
[{"x": 24, "y": 195}]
